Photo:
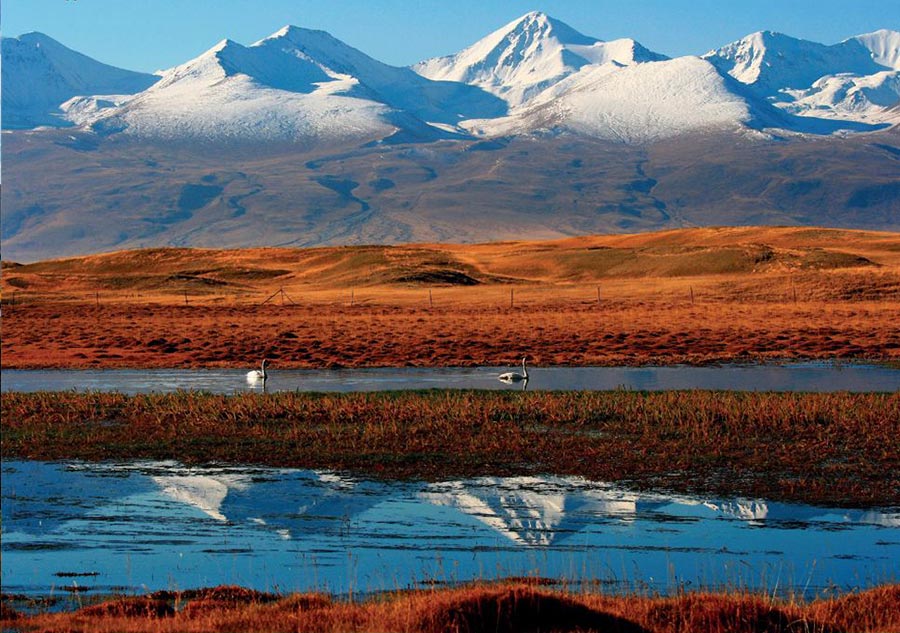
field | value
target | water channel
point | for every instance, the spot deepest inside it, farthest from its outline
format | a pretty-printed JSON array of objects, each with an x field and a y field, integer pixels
[
  {"x": 71, "y": 529},
  {"x": 768, "y": 377}
]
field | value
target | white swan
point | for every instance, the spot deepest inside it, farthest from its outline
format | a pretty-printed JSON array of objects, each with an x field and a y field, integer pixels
[
  {"x": 258, "y": 375},
  {"x": 513, "y": 376}
]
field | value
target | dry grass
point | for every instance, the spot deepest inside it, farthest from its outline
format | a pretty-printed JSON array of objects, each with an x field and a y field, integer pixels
[
  {"x": 839, "y": 449},
  {"x": 691, "y": 296},
  {"x": 614, "y": 333},
  {"x": 499, "y": 608},
  {"x": 317, "y": 274}
]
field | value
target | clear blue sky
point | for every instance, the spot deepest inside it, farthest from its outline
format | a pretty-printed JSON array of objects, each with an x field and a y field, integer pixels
[{"x": 154, "y": 34}]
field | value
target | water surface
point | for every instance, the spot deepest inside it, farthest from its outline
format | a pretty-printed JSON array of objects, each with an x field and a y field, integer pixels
[
  {"x": 139, "y": 527},
  {"x": 789, "y": 377}
]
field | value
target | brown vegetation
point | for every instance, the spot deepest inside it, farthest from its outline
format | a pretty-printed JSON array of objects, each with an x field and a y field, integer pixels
[
  {"x": 690, "y": 296},
  {"x": 838, "y": 448},
  {"x": 504, "y": 607}
]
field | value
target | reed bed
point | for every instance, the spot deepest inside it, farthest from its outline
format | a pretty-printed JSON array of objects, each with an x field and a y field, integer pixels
[
  {"x": 831, "y": 448},
  {"x": 498, "y": 607}
]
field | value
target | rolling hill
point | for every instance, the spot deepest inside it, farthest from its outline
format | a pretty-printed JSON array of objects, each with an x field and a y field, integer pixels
[{"x": 737, "y": 251}]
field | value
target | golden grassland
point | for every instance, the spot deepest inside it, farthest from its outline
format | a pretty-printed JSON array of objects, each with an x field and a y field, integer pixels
[
  {"x": 686, "y": 296},
  {"x": 830, "y": 448},
  {"x": 507, "y": 607}
]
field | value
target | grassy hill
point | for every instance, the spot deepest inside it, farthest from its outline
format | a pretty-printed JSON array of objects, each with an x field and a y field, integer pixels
[{"x": 743, "y": 252}]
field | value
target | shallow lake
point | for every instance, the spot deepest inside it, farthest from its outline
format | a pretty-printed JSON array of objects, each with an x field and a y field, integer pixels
[
  {"x": 787, "y": 377},
  {"x": 74, "y": 529}
]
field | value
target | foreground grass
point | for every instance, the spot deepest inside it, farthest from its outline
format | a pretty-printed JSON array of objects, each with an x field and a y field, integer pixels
[
  {"x": 504, "y": 607},
  {"x": 837, "y": 449}
]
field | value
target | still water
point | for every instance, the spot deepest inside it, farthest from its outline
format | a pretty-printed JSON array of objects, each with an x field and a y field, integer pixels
[
  {"x": 71, "y": 529},
  {"x": 788, "y": 377}
]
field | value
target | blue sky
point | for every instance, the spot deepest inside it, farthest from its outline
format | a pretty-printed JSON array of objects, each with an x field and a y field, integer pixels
[{"x": 153, "y": 34}]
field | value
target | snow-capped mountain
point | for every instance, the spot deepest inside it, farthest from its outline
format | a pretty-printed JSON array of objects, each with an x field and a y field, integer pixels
[
  {"x": 856, "y": 79},
  {"x": 443, "y": 102},
  {"x": 640, "y": 103},
  {"x": 770, "y": 62},
  {"x": 884, "y": 46},
  {"x": 528, "y": 55},
  {"x": 534, "y": 75},
  {"x": 253, "y": 93},
  {"x": 39, "y": 74},
  {"x": 297, "y": 85}
]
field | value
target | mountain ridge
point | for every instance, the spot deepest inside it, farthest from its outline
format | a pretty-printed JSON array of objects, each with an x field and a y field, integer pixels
[
  {"x": 305, "y": 85},
  {"x": 300, "y": 140},
  {"x": 528, "y": 55},
  {"x": 39, "y": 74}
]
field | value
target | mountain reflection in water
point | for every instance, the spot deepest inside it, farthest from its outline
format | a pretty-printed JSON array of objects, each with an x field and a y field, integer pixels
[{"x": 162, "y": 524}]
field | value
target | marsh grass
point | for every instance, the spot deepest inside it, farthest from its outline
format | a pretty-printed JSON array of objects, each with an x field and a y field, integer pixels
[
  {"x": 828, "y": 448},
  {"x": 499, "y": 607}
]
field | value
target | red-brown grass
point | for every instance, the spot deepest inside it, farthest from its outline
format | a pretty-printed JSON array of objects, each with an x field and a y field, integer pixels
[
  {"x": 498, "y": 608},
  {"x": 826, "y": 448}
]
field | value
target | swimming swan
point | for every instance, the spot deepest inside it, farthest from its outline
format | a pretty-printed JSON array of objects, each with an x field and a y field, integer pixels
[
  {"x": 258, "y": 375},
  {"x": 513, "y": 376}
]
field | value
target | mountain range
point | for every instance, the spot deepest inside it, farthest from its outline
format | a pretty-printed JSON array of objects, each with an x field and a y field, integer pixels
[{"x": 536, "y": 130}]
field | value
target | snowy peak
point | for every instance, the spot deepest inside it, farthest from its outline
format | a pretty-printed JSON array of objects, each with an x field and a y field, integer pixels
[
  {"x": 636, "y": 104},
  {"x": 297, "y": 84},
  {"x": 854, "y": 80},
  {"x": 239, "y": 93},
  {"x": 884, "y": 45},
  {"x": 528, "y": 55},
  {"x": 268, "y": 67},
  {"x": 771, "y": 62},
  {"x": 535, "y": 26},
  {"x": 39, "y": 74},
  {"x": 322, "y": 48},
  {"x": 431, "y": 101}
]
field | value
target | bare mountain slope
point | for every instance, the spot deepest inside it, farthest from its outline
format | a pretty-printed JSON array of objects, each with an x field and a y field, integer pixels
[{"x": 65, "y": 197}]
